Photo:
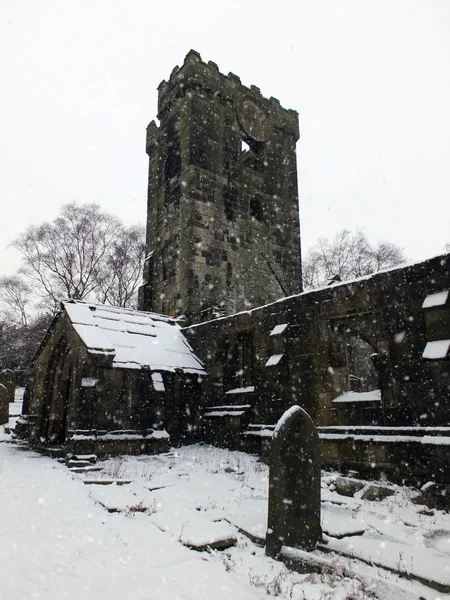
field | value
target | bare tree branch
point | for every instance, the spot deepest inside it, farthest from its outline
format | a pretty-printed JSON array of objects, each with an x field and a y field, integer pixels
[
  {"x": 83, "y": 253},
  {"x": 348, "y": 255},
  {"x": 15, "y": 297}
]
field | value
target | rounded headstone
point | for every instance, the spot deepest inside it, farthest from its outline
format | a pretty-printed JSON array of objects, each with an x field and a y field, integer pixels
[
  {"x": 8, "y": 379},
  {"x": 294, "y": 484},
  {"x": 4, "y": 404}
]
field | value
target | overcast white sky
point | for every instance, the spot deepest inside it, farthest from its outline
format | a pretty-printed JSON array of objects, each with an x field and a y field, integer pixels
[{"x": 370, "y": 80}]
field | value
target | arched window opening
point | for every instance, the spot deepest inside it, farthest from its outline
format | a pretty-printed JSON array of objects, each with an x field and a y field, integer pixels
[
  {"x": 362, "y": 373},
  {"x": 256, "y": 209}
]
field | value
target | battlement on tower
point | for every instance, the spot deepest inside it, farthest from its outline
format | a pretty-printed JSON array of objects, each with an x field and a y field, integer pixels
[{"x": 197, "y": 76}]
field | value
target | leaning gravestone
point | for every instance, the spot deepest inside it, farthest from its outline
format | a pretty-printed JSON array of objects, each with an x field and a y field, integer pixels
[
  {"x": 294, "y": 484},
  {"x": 4, "y": 405},
  {"x": 8, "y": 379}
]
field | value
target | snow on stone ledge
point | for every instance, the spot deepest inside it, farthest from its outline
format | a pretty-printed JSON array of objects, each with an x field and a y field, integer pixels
[
  {"x": 372, "y": 396},
  {"x": 437, "y": 349},
  {"x": 242, "y": 390},
  {"x": 160, "y": 434},
  {"x": 274, "y": 360},
  {"x": 278, "y": 329},
  {"x": 158, "y": 383},
  {"x": 268, "y": 433},
  {"x": 88, "y": 382},
  {"x": 226, "y": 410},
  {"x": 438, "y": 299},
  {"x": 120, "y": 435},
  {"x": 224, "y": 413},
  {"x": 228, "y": 407}
]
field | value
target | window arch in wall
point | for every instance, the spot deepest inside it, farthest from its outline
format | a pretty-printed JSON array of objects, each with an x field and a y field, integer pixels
[
  {"x": 353, "y": 375},
  {"x": 256, "y": 208},
  {"x": 362, "y": 374}
]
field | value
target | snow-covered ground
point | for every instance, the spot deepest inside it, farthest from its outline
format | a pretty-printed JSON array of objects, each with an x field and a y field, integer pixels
[{"x": 77, "y": 536}]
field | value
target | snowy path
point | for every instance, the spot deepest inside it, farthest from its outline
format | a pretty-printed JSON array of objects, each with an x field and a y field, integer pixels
[
  {"x": 58, "y": 539},
  {"x": 56, "y": 542}
]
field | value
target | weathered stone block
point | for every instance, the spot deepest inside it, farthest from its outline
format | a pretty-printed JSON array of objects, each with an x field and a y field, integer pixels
[
  {"x": 375, "y": 492},
  {"x": 346, "y": 486}
]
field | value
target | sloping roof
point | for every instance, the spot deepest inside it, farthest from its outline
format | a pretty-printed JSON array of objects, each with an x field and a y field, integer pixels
[{"x": 133, "y": 339}]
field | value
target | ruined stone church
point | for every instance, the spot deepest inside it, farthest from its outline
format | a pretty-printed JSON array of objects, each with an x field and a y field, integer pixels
[{"x": 369, "y": 360}]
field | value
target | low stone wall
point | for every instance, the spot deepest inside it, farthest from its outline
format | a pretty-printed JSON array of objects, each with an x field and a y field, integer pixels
[
  {"x": 402, "y": 455},
  {"x": 412, "y": 459},
  {"x": 117, "y": 442}
]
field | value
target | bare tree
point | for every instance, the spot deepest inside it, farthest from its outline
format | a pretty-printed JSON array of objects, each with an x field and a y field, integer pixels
[
  {"x": 21, "y": 326},
  {"x": 81, "y": 254},
  {"x": 347, "y": 256},
  {"x": 19, "y": 343},
  {"x": 123, "y": 268},
  {"x": 15, "y": 296}
]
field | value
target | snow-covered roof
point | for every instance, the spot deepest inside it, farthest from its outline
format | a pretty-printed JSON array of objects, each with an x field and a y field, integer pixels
[{"x": 133, "y": 339}]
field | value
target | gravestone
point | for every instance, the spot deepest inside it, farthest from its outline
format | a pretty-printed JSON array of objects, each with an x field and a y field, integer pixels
[
  {"x": 8, "y": 379},
  {"x": 4, "y": 405},
  {"x": 294, "y": 484}
]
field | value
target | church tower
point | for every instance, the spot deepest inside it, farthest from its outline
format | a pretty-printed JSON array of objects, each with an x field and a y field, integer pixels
[{"x": 223, "y": 226}]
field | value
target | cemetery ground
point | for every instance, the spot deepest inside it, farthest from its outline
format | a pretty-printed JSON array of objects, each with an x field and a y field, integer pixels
[{"x": 190, "y": 524}]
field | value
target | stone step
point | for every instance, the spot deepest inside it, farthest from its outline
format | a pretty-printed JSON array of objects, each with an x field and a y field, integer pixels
[
  {"x": 89, "y": 469},
  {"x": 107, "y": 482},
  {"x": 79, "y": 463},
  {"x": 90, "y": 457}
]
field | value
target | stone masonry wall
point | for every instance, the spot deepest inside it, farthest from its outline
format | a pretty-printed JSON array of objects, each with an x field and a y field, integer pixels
[
  {"x": 309, "y": 362},
  {"x": 223, "y": 226}
]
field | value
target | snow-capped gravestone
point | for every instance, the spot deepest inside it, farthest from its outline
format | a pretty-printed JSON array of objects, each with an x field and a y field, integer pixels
[
  {"x": 8, "y": 379},
  {"x": 294, "y": 484},
  {"x": 4, "y": 405}
]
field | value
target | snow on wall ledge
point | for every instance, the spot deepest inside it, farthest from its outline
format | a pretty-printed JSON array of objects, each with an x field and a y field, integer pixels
[
  {"x": 437, "y": 349},
  {"x": 372, "y": 396},
  {"x": 438, "y": 299},
  {"x": 134, "y": 339},
  {"x": 125, "y": 435}
]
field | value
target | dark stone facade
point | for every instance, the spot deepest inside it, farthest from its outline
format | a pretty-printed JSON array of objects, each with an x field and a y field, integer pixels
[
  {"x": 348, "y": 337},
  {"x": 223, "y": 225},
  {"x": 383, "y": 310}
]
